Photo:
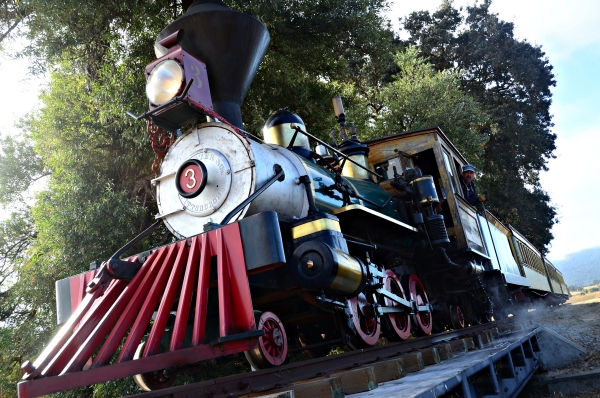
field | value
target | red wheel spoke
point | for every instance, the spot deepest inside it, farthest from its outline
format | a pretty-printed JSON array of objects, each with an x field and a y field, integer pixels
[
  {"x": 366, "y": 328},
  {"x": 399, "y": 323},
  {"x": 417, "y": 292},
  {"x": 272, "y": 346}
]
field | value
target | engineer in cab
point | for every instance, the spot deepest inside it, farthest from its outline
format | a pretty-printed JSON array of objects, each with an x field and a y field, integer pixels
[{"x": 467, "y": 182}]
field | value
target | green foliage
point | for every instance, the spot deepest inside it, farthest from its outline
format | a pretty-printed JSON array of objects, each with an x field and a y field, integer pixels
[
  {"x": 20, "y": 166},
  {"x": 317, "y": 49},
  {"x": 511, "y": 79},
  {"x": 421, "y": 97},
  {"x": 19, "y": 321},
  {"x": 97, "y": 195}
]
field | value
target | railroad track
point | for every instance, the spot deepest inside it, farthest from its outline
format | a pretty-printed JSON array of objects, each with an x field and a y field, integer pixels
[{"x": 362, "y": 370}]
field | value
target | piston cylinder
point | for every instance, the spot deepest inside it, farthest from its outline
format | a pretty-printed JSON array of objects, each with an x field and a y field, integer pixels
[{"x": 316, "y": 265}]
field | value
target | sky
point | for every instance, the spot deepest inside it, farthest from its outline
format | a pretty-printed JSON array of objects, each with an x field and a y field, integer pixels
[{"x": 569, "y": 34}]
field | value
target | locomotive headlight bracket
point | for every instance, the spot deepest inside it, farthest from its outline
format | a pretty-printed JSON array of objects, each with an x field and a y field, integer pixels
[
  {"x": 177, "y": 87},
  {"x": 165, "y": 82}
]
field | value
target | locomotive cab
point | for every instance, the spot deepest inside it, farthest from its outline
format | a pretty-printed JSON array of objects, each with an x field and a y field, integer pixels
[{"x": 432, "y": 152}]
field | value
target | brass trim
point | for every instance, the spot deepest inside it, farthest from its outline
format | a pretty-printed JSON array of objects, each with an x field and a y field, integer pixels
[
  {"x": 282, "y": 134},
  {"x": 349, "y": 275},
  {"x": 354, "y": 171},
  {"x": 423, "y": 178},
  {"x": 315, "y": 226}
]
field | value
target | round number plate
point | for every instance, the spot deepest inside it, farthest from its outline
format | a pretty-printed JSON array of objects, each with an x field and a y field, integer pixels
[
  {"x": 203, "y": 182},
  {"x": 191, "y": 178}
]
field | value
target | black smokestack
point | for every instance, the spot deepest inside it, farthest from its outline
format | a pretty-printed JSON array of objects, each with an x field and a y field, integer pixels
[{"x": 231, "y": 43}]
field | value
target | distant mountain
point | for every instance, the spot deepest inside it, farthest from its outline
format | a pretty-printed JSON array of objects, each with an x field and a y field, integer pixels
[{"x": 581, "y": 268}]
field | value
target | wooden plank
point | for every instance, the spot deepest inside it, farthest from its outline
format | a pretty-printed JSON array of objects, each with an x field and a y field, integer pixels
[
  {"x": 482, "y": 340},
  {"x": 380, "y": 151},
  {"x": 470, "y": 343},
  {"x": 413, "y": 362},
  {"x": 444, "y": 350},
  {"x": 330, "y": 387},
  {"x": 357, "y": 380},
  {"x": 431, "y": 356},
  {"x": 284, "y": 394},
  {"x": 470, "y": 226},
  {"x": 458, "y": 346},
  {"x": 392, "y": 369},
  {"x": 321, "y": 387},
  {"x": 495, "y": 333}
]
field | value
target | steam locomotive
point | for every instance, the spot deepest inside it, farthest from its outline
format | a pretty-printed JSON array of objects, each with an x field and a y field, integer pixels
[{"x": 282, "y": 245}]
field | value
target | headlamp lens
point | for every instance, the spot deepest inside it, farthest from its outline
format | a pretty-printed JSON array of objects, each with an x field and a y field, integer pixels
[{"x": 165, "y": 82}]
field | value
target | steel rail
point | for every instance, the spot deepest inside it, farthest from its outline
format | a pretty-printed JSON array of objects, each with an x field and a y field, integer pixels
[{"x": 268, "y": 379}]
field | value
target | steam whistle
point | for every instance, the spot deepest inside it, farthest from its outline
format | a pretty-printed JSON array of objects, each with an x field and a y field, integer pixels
[
  {"x": 338, "y": 109},
  {"x": 351, "y": 147}
]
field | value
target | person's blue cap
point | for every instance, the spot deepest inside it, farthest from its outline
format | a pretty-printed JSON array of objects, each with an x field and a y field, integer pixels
[{"x": 469, "y": 167}]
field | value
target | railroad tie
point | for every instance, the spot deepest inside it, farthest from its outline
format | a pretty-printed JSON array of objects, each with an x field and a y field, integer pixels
[
  {"x": 444, "y": 351},
  {"x": 330, "y": 387},
  {"x": 412, "y": 362},
  {"x": 458, "y": 346},
  {"x": 470, "y": 343},
  {"x": 391, "y": 369},
  {"x": 431, "y": 356},
  {"x": 357, "y": 380}
]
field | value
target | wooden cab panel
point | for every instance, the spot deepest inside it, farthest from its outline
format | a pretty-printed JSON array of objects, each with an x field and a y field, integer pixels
[{"x": 470, "y": 226}]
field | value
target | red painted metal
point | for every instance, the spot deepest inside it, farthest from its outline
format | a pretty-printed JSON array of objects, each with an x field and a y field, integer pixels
[
  {"x": 86, "y": 326},
  {"x": 423, "y": 319},
  {"x": 400, "y": 322},
  {"x": 185, "y": 299},
  {"x": 273, "y": 345},
  {"x": 78, "y": 285},
  {"x": 135, "y": 297},
  {"x": 39, "y": 387},
  {"x": 63, "y": 335},
  {"x": 202, "y": 295},
  {"x": 238, "y": 314},
  {"x": 367, "y": 324},
  {"x": 164, "y": 310},
  {"x": 124, "y": 309},
  {"x": 150, "y": 302}
]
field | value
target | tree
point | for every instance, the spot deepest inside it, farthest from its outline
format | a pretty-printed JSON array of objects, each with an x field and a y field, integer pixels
[
  {"x": 511, "y": 79},
  {"x": 316, "y": 51},
  {"x": 421, "y": 97}
]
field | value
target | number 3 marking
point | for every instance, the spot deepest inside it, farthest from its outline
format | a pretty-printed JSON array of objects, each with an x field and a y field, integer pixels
[
  {"x": 196, "y": 71},
  {"x": 192, "y": 178}
]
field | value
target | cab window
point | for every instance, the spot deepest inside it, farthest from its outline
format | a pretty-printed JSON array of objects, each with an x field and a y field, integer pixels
[{"x": 451, "y": 172}]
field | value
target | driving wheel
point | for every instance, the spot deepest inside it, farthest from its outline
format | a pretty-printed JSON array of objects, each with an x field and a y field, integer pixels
[
  {"x": 457, "y": 318},
  {"x": 422, "y": 320},
  {"x": 396, "y": 326},
  {"x": 363, "y": 322}
]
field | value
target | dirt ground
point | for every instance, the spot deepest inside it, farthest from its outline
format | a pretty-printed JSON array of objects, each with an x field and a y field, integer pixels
[{"x": 579, "y": 321}]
